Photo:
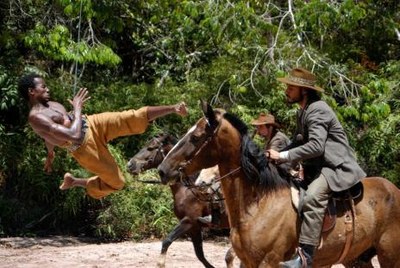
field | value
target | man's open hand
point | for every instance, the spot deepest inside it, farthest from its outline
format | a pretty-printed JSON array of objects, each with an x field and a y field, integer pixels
[{"x": 80, "y": 98}]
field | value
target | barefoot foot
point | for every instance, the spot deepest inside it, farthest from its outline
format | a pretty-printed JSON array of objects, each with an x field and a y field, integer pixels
[{"x": 68, "y": 181}]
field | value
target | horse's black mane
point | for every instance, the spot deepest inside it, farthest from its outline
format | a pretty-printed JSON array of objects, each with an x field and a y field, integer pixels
[
  {"x": 237, "y": 123},
  {"x": 254, "y": 163}
]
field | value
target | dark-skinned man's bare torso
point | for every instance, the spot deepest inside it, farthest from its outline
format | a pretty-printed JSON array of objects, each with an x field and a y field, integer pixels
[
  {"x": 54, "y": 114},
  {"x": 50, "y": 119}
]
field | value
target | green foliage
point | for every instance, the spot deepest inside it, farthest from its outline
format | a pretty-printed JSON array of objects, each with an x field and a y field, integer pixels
[
  {"x": 32, "y": 196},
  {"x": 8, "y": 90},
  {"x": 139, "y": 211},
  {"x": 363, "y": 30},
  {"x": 56, "y": 44},
  {"x": 380, "y": 146}
]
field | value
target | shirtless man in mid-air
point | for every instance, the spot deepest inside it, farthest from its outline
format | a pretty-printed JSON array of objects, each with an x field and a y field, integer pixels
[{"x": 86, "y": 137}]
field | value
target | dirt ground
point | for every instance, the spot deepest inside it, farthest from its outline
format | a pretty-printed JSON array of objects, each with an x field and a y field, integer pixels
[{"x": 61, "y": 251}]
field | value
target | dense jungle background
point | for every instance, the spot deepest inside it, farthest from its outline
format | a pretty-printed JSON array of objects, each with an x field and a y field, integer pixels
[{"x": 131, "y": 53}]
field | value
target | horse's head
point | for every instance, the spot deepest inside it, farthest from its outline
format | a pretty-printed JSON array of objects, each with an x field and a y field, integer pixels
[
  {"x": 193, "y": 151},
  {"x": 152, "y": 154}
]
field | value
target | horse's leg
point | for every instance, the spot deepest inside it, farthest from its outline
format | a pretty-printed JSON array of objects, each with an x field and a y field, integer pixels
[
  {"x": 182, "y": 228},
  {"x": 388, "y": 252},
  {"x": 388, "y": 247},
  {"x": 229, "y": 257},
  {"x": 197, "y": 241},
  {"x": 363, "y": 261}
]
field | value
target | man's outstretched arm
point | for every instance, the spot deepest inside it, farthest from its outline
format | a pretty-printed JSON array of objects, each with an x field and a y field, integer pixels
[{"x": 154, "y": 112}]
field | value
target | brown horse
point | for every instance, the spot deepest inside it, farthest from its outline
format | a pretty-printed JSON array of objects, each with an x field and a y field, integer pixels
[
  {"x": 188, "y": 207},
  {"x": 264, "y": 224}
]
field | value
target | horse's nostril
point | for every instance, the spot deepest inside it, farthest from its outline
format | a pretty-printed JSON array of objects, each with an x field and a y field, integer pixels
[
  {"x": 163, "y": 176},
  {"x": 161, "y": 173},
  {"x": 130, "y": 165}
]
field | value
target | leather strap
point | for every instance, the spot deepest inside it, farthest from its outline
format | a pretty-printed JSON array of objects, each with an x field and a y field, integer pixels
[{"x": 349, "y": 219}]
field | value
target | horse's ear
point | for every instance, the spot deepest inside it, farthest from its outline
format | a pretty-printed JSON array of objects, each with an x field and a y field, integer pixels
[
  {"x": 204, "y": 106},
  {"x": 209, "y": 114}
]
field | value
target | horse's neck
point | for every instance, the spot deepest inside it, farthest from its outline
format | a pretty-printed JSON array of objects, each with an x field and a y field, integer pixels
[
  {"x": 231, "y": 183},
  {"x": 176, "y": 187},
  {"x": 238, "y": 196},
  {"x": 244, "y": 200}
]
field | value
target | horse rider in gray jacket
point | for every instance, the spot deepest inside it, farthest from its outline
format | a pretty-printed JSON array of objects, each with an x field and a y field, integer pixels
[{"x": 321, "y": 143}]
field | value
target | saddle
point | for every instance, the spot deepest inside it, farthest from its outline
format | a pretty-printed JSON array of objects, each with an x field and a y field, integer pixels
[
  {"x": 343, "y": 198},
  {"x": 346, "y": 199}
]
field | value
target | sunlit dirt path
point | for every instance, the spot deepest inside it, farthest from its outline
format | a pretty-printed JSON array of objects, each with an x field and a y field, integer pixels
[{"x": 61, "y": 251}]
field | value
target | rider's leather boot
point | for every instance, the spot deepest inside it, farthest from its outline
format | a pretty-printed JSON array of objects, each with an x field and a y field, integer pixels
[{"x": 302, "y": 259}]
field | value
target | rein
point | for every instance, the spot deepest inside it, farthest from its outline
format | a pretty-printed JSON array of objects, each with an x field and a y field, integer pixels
[
  {"x": 228, "y": 174},
  {"x": 150, "y": 181},
  {"x": 203, "y": 188}
]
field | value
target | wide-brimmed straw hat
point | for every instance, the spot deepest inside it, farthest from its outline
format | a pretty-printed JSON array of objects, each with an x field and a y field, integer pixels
[
  {"x": 302, "y": 78},
  {"x": 265, "y": 119}
]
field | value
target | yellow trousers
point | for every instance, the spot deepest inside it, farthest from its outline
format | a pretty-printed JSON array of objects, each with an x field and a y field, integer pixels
[{"x": 94, "y": 155}]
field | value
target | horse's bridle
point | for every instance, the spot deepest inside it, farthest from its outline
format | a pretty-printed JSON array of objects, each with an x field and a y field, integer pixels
[
  {"x": 209, "y": 138},
  {"x": 159, "y": 149}
]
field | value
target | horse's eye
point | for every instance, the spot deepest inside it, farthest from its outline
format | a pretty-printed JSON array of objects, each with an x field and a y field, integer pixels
[
  {"x": 151, "y": 148},
  {"x": 194, "y": 139}
]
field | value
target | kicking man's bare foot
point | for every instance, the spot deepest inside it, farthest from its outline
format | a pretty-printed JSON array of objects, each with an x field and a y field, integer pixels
[{"x": 68, "y": 181}]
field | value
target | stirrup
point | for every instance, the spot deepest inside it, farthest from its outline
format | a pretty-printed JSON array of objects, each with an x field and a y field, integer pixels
[
  {"x": 299, "y": 260},
  {"x": 302, "y": 254}
]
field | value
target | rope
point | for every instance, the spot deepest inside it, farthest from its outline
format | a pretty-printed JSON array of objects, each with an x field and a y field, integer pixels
[{"x": 79, "y": 39}]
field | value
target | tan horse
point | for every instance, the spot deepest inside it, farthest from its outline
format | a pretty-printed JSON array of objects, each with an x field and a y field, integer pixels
[{"x": 264, "y": 224}]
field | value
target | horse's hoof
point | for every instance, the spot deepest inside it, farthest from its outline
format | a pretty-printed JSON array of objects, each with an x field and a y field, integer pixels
[{"x": 161, "y": 264}]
